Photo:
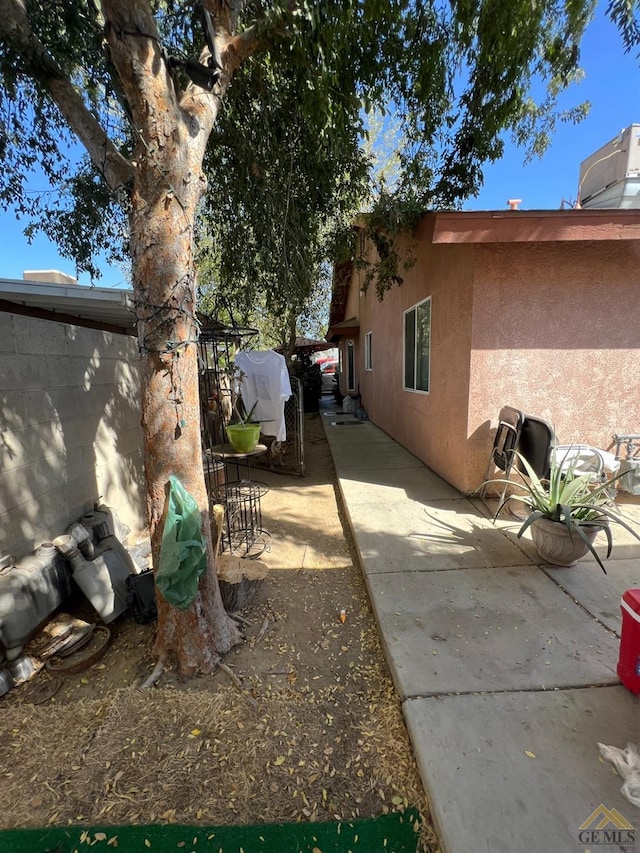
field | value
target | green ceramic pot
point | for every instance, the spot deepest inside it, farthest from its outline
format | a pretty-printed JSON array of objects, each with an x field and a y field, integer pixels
[{"x": 243, "y": 437}]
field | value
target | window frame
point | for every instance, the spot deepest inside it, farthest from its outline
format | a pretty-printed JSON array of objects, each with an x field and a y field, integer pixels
[
  {"x": 368, "y": 360},
  {"x": 415, "y": 356},
  {"x": 350, "y": 358}
]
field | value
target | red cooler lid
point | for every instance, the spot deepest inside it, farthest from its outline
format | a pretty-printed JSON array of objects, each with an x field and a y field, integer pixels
[{"x": 632, "y": 598}]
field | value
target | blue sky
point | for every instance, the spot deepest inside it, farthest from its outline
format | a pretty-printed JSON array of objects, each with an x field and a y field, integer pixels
[{"x": 611, "y": 84}]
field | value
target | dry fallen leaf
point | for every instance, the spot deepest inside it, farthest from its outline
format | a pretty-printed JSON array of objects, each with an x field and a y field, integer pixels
[{"x": 529, "y": 754}]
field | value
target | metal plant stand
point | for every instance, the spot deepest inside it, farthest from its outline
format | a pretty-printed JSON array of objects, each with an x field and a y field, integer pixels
[{"x": 243, "y": 532}]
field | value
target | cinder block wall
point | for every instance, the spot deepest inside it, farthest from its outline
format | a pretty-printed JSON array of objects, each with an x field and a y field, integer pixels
[{"x": 69, "y": 429}]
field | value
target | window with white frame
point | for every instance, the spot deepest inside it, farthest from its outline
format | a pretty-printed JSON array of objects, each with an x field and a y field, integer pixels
[
  {"x": 368, "y": 363},
  {"x": 417, "y": 347}
]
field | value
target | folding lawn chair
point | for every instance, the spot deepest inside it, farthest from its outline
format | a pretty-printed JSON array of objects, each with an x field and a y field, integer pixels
[{"x": 506, "y": 440}]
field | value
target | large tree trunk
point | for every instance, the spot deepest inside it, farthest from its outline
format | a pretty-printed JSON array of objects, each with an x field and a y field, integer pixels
[
  {"x": 170, "y": 134},
  {"x": 164, "y": 279}
]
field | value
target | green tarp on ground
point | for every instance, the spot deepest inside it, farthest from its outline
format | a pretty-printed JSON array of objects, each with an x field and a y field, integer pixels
[{"x": 393, "y": 833}]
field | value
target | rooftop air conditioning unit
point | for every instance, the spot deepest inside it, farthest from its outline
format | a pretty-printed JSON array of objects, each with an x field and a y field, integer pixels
[{"x": 610, "y": 177}]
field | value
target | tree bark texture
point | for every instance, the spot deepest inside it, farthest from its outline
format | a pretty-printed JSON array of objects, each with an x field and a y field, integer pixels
[
  {"x": 164, "y": 286},
  {"x": 168, "y": 185}
]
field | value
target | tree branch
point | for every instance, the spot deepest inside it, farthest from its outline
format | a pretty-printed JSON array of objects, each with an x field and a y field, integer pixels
[
  {"x": 137, "y": 55},
  {"x": 38, "y": 63},
  {"x": 241, "y": 47}
]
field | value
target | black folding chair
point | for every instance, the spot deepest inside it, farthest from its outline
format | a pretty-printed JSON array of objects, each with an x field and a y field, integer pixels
[
  {"x": 506, "y": 440},
  {"x": 536, "y": 441}
]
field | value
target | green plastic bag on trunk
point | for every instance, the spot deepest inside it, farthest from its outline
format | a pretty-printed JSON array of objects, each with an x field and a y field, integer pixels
[{"x": 183, "y": 555}]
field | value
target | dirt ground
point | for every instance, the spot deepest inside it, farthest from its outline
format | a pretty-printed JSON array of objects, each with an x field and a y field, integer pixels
[{"x": 309, "y": 729}]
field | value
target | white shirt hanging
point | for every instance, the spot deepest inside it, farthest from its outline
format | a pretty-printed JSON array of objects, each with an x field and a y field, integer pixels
[{"x": 266, "y": 381}]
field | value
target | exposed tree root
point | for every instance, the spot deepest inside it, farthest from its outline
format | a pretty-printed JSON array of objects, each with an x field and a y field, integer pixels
[
  {"x": 154, "y": 676},
  {"x": 263, "y": 630},
  {"x": 237, "y": 683},
  {"x": 232, "y": 675}
]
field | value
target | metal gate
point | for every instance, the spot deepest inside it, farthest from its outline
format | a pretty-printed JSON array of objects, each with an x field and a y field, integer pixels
[{"x": 287, "y": 457}]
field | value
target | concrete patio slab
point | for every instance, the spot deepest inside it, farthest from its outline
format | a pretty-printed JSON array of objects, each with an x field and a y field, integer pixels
[
  {"x": 367, "y": 457},
  {"x": 493, "y": 657},
  {"x": 520, "y": 772},
  {"x": 487, "y": 630},
  {"x": 346, "y": 430},
  {"x": 598, "y": 593},
  {"x": 408, "y": 536},
  {"x": 388, "y": 485}
]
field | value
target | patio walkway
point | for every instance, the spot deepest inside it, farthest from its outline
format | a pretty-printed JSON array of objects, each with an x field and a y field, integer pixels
[{"x": 506, "y": 667}]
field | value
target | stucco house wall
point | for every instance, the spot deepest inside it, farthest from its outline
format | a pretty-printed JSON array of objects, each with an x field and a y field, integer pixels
[
  {"x": 70, "y": 429},
  {"x": 555, "y": 334},
  {"x": 536, "y": 310},
  {"x": 433, "y": 426}
]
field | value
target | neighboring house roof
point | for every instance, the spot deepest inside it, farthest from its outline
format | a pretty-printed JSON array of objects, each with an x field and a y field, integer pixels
[
  {"x": 104, "y": 308},
  {"x": 307, "y": 345},
  {"x": 345, "y": 329},
  {"x": 101, "y": 308}
]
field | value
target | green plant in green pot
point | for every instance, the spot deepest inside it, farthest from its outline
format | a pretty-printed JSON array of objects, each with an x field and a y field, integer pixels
[
  {"x": 244, "y": 434},
  {"x": 567, "y": 511}
]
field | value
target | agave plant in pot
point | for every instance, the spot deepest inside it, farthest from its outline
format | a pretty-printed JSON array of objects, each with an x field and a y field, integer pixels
[{"x": 567, "y": 512}]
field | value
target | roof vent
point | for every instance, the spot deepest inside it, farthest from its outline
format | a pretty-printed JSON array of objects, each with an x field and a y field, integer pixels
[{"x": 513, "y": 203}]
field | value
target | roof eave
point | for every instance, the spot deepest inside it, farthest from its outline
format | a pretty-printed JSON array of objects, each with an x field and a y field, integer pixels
[{"x": 529, "y": 226}]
